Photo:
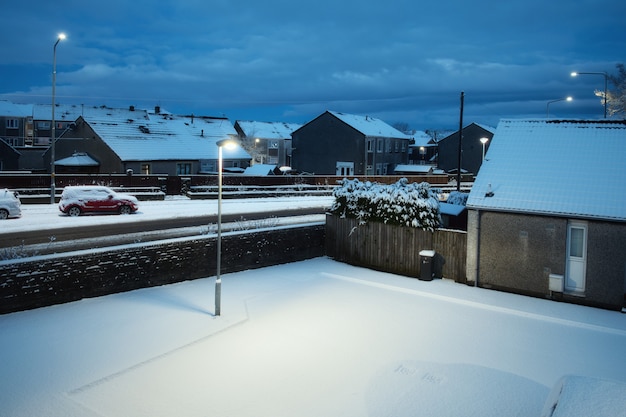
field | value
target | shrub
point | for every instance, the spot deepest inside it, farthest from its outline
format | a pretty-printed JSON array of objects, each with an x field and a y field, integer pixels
[{"x": 413, "y": 205}]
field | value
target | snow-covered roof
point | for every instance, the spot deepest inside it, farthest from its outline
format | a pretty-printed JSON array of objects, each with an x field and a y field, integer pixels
[
  {"x": 78, "y": 159},
  {"x": 416, "y": 169},
  {"x": 536, "y": 166},
  {"x": 71, "y": 112},
  {"x": 10, "y": 109},
  {"x": 164, "y": 137},
  {"x": 268, "y": 130},
  {"x": 422, "y": 139},
  {"x": 260, "y": 169},
  {"x": 370, "y": 126}
]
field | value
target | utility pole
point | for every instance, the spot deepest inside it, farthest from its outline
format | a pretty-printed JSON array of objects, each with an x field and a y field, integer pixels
[{"x": 458, "y": 174}]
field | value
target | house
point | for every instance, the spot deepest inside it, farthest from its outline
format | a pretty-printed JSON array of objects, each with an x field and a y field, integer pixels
[
  {"x": 471, "y": 149},
  {"x": 135, "y": 141},
  {"x": 423, "y": 149},
  {"x": 337, "y": 143},
  {"x": 547, "y": 214},
  {"x": 267, "y": 142}
]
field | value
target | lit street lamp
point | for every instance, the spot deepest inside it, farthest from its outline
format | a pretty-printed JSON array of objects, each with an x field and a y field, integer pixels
[
  {"x": 606, "y": 82},
  {"x": 229, "y": 144},
  {"x": 484, "y": 142},
  {"x": 52, "y": 131},
  {"x": 569, "y": 98}
]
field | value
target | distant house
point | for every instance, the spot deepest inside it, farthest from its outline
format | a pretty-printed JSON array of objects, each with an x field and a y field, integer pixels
[
  {"x": 471, "y": 149},
  {"x": 267, "y": 142},
  {"x": 337, "y": 143},
  {"x": 540, "y": 224},
  {"x": 135, "y": 141},
  {"x": 423, "y": 149}
]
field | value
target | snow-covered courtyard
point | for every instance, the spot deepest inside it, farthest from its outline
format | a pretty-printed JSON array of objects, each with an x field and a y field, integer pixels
[{"x": 312, "y": 338}]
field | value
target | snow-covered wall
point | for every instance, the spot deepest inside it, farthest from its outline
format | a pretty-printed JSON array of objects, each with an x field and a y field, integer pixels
[{"x": 55, "y": 279}]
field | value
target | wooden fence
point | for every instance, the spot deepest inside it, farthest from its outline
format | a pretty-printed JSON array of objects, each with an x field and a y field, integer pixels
[{"x": 395, "y": 249}]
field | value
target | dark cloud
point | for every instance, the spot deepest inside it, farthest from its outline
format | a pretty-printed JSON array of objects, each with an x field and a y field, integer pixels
[{"x": 283, "y": 60}]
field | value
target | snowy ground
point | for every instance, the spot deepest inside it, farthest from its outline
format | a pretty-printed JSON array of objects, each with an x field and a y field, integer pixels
[{"x": 313, "y": 338}]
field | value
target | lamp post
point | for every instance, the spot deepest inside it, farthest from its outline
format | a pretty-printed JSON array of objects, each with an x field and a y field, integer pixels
[
  {"x": 568, "y": 98},
  {"x": 484, "y": 142},
  {"x": 52, "y": 126},
  {"x": 606, "y": 83},
  {"x": 228, "y": 143}
]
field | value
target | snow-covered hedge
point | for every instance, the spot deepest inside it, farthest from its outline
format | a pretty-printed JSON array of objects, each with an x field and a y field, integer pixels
[
  {"x": 458, "y": 198},
  {"x": 413, "y": 205}
]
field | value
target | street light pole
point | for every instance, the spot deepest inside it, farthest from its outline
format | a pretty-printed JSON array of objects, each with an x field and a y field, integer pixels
[
  {"x": 52, "y": 127},
  {"x": 606, "y": 84},
  {"x": 568, "y": 98},
  {"x": 484, "y": 142},
  {"x": 218, "y": 279},
  {"x": 228, "y": 143}
]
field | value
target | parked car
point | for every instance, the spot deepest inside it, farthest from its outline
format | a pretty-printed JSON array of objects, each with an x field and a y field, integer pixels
[
  {"x": 76, "y": 200},
  {"x": 10, "y": 204}
]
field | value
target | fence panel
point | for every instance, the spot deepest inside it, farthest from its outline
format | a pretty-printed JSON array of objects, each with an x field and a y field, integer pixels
[{"x": 394, "y": 249}]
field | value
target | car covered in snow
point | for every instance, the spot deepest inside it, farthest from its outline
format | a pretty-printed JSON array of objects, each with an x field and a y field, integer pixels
[
  {"x": 10, "y": 204},
  {"x": 77, "y": 200}
]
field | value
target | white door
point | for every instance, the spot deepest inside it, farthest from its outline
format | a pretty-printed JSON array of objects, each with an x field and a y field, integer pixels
[
  {"x": 576, "y": 257},
  {"x": 344, "y": 169}
]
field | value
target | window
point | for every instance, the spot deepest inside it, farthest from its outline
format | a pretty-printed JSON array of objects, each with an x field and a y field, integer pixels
[
  {"x": 380, "y": 145},
  {"x": 13, "y": 123},
  {"x": 43, "y": 125},
  {"x": 388, "y": 145},
  {"x": 145, "y": 169},
  {"x": 183, "y": 168},
  {"x": 397, "y": 146},
  {"x": 370, "y": 145}
]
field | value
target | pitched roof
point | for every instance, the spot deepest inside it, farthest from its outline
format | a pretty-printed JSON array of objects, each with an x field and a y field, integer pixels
[
  {"x": 536, "y": 166},
  {"x": 8, "y": 108},
  {"x": 138, "y": 136},
  {"x": 268, "y": 130},
  {"x": 78, "y": 159},
  {"x": 370, "y": 126}
]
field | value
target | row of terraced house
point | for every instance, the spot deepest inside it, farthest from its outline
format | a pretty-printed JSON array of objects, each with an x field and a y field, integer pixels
[{"x": 100, "y": 139}]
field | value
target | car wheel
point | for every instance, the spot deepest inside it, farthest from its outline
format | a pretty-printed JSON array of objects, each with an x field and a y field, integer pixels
[
  {"x": 4, "y": 214},
  {"x": 125, "y": 210},
  {"x": 73, "y": 211}
]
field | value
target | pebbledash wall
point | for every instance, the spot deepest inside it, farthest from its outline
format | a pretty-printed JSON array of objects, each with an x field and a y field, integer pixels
[{"x": 54, "y": 279}]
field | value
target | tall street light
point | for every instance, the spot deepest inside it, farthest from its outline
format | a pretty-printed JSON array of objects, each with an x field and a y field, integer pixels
[
  {"x": 606, "y": 83},
  {"x": 484, "y": 142},
  {"x": 52, "y": 128},
  {"x": 228, "y": 143},
  {"x": 568, "y": 98}
]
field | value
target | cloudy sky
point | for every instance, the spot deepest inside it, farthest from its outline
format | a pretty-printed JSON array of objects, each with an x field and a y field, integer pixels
[{"x": 403, "y": 61}]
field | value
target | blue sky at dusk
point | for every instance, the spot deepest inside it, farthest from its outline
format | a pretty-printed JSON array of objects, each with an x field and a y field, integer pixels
[{"x": 398, "y": 60}]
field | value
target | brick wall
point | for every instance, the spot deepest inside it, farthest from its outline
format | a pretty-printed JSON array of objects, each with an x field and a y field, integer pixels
[{"x": 55, "y": 279}]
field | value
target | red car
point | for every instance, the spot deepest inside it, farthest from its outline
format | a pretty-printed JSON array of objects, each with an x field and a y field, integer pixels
[{"x": 96, "y": 199}]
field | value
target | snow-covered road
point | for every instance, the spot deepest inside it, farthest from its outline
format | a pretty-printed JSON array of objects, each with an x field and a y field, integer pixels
[{"x": 47, "y": 217}]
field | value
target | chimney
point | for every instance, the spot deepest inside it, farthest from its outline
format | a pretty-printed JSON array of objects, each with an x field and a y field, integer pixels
[
  {"x": 131, "y": 108},
  {"x": 157, "y": 109}
]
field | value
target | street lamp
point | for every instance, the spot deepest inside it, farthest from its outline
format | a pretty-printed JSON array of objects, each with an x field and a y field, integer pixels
[
  {"x": 606, "y": 83},
  {"x": 568, "y": 98},
  {"x": 484, "y": 142},
  {"x": 52, "y": 131},
  {"x": 229, "y": 144}
]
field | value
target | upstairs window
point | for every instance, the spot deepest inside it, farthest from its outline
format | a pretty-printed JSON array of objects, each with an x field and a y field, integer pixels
[{"x": 13, "y": 123}]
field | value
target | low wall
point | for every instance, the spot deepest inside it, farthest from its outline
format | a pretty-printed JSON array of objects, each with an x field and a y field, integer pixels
[
  {"x": 54, "y": 279},
  {"x": 395, "y": 249}
]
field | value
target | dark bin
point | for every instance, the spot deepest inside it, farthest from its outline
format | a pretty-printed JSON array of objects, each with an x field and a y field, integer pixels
[{"x": 426, "y": 265}]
